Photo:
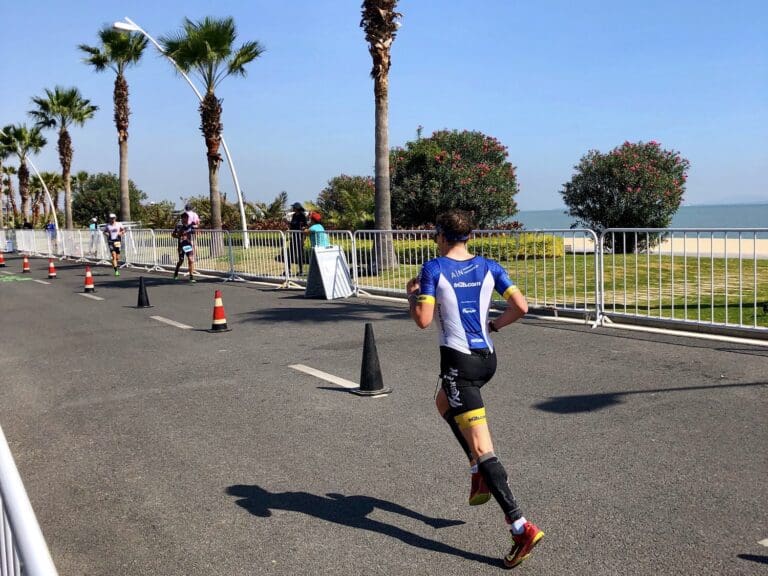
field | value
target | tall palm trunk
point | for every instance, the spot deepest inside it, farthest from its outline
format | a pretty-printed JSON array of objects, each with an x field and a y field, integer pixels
[
  {"x": 383, "y": 210},
  {"x": 65, "y": 157},
  {"x": 24, "y": 189},
  {"x": 12, "y": 198},
  {"x": 210, "y": 115},
  {"x": 122, "y": 112}
]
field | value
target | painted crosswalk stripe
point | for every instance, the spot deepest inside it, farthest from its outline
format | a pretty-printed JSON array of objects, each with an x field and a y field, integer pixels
[
  {"x": 171, "y": 322},
  {"x": 764, "y": 542},
  {"x": 41, "y": 281},
  {"x": 91, "y": 296}
]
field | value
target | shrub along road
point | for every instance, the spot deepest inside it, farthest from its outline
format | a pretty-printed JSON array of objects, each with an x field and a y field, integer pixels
[{"x": 151, "y": 449}]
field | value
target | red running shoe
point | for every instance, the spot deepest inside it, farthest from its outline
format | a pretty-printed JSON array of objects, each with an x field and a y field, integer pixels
[
  {"x": 522, "y": 545},
  {"x": 479, "y": 492}
]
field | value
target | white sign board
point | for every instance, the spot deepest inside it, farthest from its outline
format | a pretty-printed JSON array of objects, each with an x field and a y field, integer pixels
[{"x": 328, "y": 274}]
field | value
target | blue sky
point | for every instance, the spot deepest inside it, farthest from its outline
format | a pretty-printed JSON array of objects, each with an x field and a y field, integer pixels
[{"x": 550, "y": 80}]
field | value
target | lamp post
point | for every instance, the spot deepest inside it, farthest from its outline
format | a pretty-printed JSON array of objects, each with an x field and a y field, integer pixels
[
  {"x": 131, "y": 26},
  {"x": 47, "y": 193}
]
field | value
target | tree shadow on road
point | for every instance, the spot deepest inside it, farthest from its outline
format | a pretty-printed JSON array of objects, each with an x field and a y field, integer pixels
[
  {"x": 351, "y": 511},
  {"x": 595, "y": 402}
]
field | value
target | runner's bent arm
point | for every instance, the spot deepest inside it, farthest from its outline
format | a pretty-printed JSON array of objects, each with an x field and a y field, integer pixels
[
  {"x": 517, "y": 307},
  {"x": 422, "y": 311}
]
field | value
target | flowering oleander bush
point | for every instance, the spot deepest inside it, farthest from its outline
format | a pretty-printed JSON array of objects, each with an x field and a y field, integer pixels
[
  {"x": 636, "y": 185},
  {"x": 452, "y": 169}
]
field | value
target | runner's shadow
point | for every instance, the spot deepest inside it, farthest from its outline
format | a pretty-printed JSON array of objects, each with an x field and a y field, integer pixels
[
  {"x": 594, "y": 402},
  {"x": 754, "y": 558},
  {"x": 351, "y": 511}
]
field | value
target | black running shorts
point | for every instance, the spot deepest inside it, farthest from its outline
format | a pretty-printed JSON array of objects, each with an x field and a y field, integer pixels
[{"x": 461, "y": 377}]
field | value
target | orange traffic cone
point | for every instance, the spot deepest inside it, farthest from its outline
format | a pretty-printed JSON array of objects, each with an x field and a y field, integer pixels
[
  {"x": 89, "y": 287},
  {"x": 2, "y": 260},
  {"x": 219, "y": 316},
  {"x": 25, "y": 265},
  {"x": 51, "y": 269}
]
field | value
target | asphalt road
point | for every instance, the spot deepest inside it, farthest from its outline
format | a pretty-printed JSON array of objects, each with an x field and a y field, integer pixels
[{"x": 154, "y": 450}]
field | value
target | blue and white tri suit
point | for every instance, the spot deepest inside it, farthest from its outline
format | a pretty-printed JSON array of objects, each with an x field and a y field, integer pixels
[{"x": 462, "y": 292}]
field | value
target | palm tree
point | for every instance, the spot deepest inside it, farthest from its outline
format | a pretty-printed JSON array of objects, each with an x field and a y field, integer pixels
[
  {"x": 118, "y": 51},
  {"x": 380, "y": 22},
  {"x": 9, "y": 172},
  {"x": 55, "y": 185},
  {"x": 79, "y": 180},
  {"x": 62, "y": 108},
  {"x": 206, "y": 48},
  {"x": 5, "y": 151},
  {"x": 24, "y": 141}
]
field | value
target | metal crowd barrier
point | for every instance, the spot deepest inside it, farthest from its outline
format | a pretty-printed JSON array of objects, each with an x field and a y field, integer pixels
[
  {"x": 705, "y": 277},
  {"x": 699, "y": 277},
  {"x": 23, "y": 550}
]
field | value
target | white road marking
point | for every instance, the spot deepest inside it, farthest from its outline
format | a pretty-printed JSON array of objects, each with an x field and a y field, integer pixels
[
  {"x": 171, "y": 322},
  {"x": 324, "y": 376},
  {"x": 330, "y": 378},
  {"x": 41, "y": 281},
  {"x": 6, "y": 272},
  {"x": 91, "y": 296},
  {"x": 764, "y": 542}
]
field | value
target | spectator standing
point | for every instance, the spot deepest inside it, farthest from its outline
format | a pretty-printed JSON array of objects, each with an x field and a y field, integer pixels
[
  {"x": 93, "y": 228},
  {"x": 114, "y": 232},
  {"x": 194, "y": 219},
  {"x": 296, "y": 245},
  {"x": 50, "y": 228},
  {"x": 317, "y": 234}
]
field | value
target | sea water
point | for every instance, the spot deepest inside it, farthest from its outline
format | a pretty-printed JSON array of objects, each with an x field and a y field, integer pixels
[{"x": 702, "y": 216}]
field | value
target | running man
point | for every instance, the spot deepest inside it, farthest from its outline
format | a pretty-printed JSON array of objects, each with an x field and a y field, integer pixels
[
  {"x": 461, "y": 285},
  {"x": 114, "y": 232},
  {"x": 184, "y": 233}
]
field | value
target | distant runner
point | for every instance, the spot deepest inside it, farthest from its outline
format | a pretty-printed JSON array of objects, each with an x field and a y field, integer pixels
[
  {"x": 114, "y": 232},
  {"x": 184, "y": 233}
]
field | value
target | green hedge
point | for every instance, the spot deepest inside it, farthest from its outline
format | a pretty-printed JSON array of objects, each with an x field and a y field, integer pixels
[{"x": 502, "y": 248}]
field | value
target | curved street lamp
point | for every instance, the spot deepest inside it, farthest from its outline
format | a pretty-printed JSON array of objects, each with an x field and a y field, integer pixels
[
  {"x": 47, "y": 193},
  {"x": 131, "y": 26}
]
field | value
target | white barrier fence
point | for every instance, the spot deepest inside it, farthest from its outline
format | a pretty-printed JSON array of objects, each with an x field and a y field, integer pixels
[
  {"x": 23, "y": 551},
  {"x": 702, "y": 277},
  {"x": 713, "y": 278}
]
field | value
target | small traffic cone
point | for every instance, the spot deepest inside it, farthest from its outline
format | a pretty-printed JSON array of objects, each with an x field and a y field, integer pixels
[
  {"x": 371, "y": 383},
  {"x": 89, "y": 287},
  {"x": 219, "y": 316},
  {"x": 2, "y": 260},
  {"x": 143, "y": 297},
  {"x": 51, "y": 269},
  {"x": 25, "y": 265}
]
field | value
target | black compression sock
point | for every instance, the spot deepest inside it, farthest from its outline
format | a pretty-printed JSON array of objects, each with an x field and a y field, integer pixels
[{"x": 496, "y": 478}]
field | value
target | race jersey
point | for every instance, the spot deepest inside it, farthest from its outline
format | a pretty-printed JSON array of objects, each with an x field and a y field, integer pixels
[
  {"x": 462, "y": 290},
  {"x": 183, "y": 233},
  {"x": 113, "y": 231}
]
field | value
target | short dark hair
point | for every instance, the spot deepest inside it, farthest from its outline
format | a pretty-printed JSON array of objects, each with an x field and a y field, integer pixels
[{"x": 455, "y": 225}]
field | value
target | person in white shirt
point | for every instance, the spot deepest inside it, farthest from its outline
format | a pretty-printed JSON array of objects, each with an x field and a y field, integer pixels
[{"x": 114, "y": 232}]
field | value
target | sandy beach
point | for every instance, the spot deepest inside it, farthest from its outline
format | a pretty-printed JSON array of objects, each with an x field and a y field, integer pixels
[{"x": 747, "y": 247}]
